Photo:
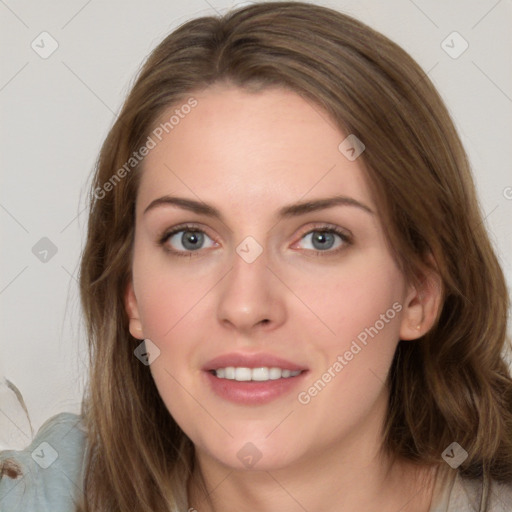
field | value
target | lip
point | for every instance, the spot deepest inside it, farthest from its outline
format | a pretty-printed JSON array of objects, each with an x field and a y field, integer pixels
[
  {"x": 252, "y": 392},
  {"x": 252, "y": 361}
]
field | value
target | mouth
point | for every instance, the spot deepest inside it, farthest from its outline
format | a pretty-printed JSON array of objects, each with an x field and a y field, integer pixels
[
  {"x": 253, "y": 379},
  {"x": 260, "y": 374}
]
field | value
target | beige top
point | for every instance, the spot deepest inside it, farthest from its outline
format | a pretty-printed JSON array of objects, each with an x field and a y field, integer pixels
[
  {"x": 454, "y": 493},
  {"x": 52, "y": 468}
]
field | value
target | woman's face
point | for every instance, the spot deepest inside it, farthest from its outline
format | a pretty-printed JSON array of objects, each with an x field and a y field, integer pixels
[{"x": 246, "y": 277}]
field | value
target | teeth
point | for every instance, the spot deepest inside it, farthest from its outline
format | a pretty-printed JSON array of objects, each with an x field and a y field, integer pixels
[
  {"x": 275, "y": 373},
  {"x": 262, "y": 374},
  {"x": 243, "y": 374}
]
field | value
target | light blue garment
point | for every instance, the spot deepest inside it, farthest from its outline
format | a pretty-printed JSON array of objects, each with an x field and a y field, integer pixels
[{"x": 52, "y": 469}]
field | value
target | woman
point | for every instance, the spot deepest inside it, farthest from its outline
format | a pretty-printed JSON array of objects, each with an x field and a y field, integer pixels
[{"x": 291, "y": 299}]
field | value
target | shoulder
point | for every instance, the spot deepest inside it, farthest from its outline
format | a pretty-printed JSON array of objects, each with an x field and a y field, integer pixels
[
  {"x": 47, "y": 475},
  {"x": 479, "y": 495},
  {"x": 456, "y": 493}
]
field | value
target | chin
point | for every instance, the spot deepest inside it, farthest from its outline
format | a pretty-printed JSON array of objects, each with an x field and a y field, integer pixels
[{"x": 242, "y": 453}]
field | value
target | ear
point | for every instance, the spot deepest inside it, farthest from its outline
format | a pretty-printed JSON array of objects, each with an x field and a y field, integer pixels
[
  {"x": 130, "y": 303},
  {"x": 422, "y": 304}
]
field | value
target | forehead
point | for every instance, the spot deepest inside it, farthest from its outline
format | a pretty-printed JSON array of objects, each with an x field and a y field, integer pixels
[{"x": 237, "y": 148}]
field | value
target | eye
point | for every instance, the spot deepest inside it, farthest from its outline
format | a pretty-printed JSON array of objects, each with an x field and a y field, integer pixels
[
  {"x": 184, "y": 240},
  {"x": 326, "y": 239}
]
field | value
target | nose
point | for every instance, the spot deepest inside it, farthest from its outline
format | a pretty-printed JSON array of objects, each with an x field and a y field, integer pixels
[{"x": 251, "y": 297}]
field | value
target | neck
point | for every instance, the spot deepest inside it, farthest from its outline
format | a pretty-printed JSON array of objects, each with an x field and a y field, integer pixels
[{"x": 353, "y": 474}]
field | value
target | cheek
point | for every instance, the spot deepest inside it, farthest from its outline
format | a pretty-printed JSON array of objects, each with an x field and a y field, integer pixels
[
  {"x": 360, "y": 311},
  {"x": 168, "y": 294},
  {"x": 348, "y": 383},
  {"x": 351, "y": 301},
  {"x": 171, "y": 302}
]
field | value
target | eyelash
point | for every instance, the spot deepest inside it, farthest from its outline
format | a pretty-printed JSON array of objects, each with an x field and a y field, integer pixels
[{"x": 323, "y": 228}]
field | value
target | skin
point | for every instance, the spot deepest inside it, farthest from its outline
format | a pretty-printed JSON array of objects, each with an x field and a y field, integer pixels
[{"x": 248, "y": 155}]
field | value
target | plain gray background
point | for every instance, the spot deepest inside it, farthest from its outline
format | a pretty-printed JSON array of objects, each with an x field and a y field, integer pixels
[{"x": 57, "y": 110}]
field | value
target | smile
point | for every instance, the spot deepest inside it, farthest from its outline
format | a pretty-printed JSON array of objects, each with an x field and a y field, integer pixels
[{"x": 262, "y": 374}]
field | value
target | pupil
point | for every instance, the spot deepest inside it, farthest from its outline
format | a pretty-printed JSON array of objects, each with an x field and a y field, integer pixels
[
  {"x": 323, "y": 239},
  {"x": 191, "y": 239}
]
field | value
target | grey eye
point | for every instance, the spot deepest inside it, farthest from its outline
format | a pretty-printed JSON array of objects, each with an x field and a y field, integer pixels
[
  {"x": 188, "y": 240},
  {"x": 321, "y": 240}
]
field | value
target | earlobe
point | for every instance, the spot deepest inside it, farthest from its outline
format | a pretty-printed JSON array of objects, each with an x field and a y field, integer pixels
[
  {"x": 422, "y": 306},
  {"x": 132, "y": 310}
]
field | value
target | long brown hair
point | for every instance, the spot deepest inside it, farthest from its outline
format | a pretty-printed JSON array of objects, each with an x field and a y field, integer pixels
[{"x": 451, "y": 385}]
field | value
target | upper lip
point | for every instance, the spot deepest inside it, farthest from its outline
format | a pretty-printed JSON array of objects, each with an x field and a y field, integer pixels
[{"x": 251, "y": 361}]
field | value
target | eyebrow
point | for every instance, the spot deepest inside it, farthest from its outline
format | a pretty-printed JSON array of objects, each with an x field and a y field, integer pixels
[{"x": 292, "y": 210}]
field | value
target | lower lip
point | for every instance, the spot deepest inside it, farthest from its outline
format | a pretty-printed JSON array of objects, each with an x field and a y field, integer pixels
[{"x": 253, "y": 392}]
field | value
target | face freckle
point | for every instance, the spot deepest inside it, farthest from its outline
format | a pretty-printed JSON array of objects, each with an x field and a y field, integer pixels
[{"x": 260, "y": 286}]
